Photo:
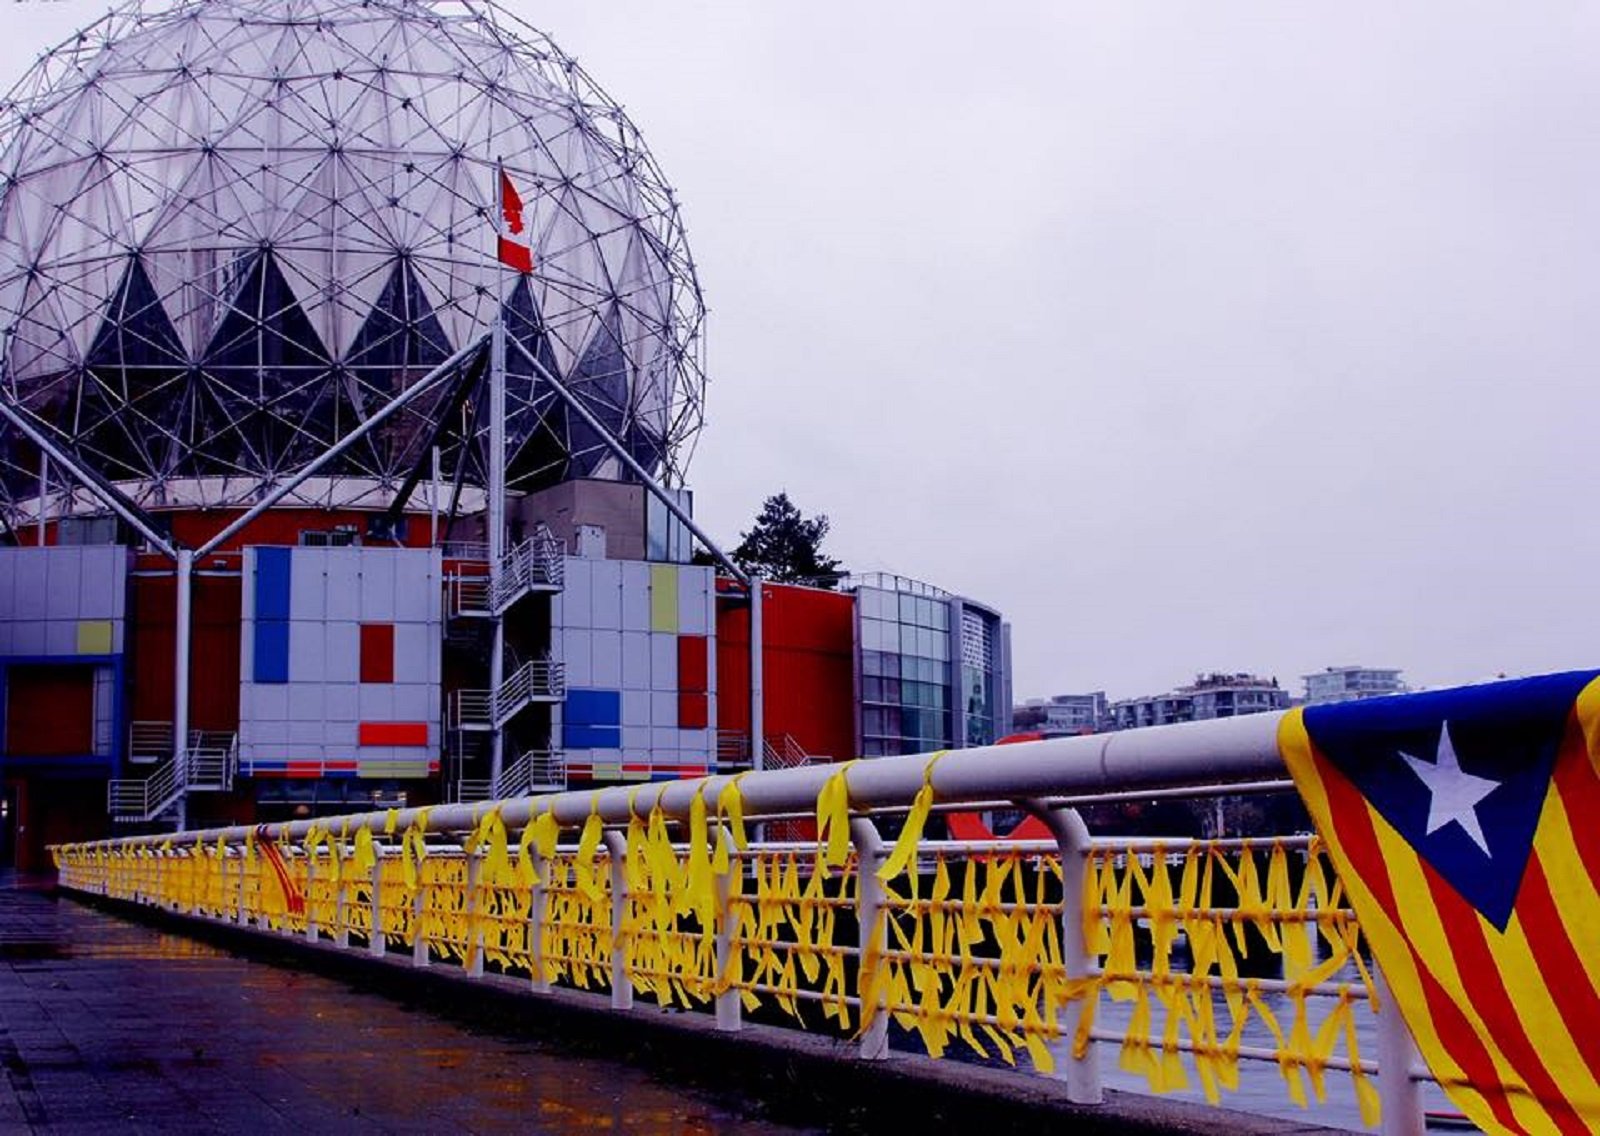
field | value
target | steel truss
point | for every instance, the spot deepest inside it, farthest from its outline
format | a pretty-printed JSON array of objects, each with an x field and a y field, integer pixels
[{"x": 232, "y": 230}]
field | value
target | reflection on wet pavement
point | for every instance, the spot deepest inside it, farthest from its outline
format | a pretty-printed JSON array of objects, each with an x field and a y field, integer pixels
[{"x": 109, "y": 1026}]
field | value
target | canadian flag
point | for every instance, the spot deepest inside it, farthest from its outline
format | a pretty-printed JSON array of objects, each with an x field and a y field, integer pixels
[{"x": 516, "y": 245}]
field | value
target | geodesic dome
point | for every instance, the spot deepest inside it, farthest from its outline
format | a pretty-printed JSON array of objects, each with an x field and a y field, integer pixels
[{"x": 232, "y": 229}]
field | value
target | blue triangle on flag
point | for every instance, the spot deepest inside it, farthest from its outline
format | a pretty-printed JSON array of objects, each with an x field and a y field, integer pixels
[{"x": 1504, "y": 737}]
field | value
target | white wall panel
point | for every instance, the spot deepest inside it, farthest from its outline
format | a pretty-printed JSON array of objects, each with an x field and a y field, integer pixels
[
  {"x": 663, "y": 709},
  {"x": 341, "y": 659},
  {"x": 342, "y": 702},
  {"x": 33, "y": 583},
  {"x": 606, "y": 600},
  {"x": 377, "y": 580},
  {"x": 305, "y": 733},
  {"x": 28, "y": 637},
  {"x": 694, "y": 600},
  {"x": 635, "y": 660},
  {"x": 375, "y": 702},
  {"x": 307, "y": 651},
  {"x": 635, "y": 596},
  {"x": 308, "y": 702},
  {"x": 663, "y": 662},
  {"x": 308, "y": 586},
  {"x": 61, "y": 637},
  {"x": 664, "y": 743},
  {"x": 606, "y": 660},
  {"x": 635, "y": 708},
  {"x": 580, "y": 670},
  {"x": 412, "y": 652},
  {"x": 577, "y": 589},
  {"x": 635, "y": 740}
]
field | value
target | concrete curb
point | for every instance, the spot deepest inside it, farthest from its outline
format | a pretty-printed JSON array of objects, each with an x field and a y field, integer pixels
[{"x": 799, "y": 1078}]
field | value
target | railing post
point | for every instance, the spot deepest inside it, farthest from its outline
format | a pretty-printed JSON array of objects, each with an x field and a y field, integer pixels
[
  {"x": 311, "y": 911},
  {"x": 474, "y": 944},
  {"x": 730, "y": 1011},
  {"x": 341, "y": 896},
  {"x": 1399, "y": 1095},
  {"x": 419, "y": 904},
  {"x": 376, "y": 943},
  {"x": 1082, "y": 1075},
  {"x": 537, "y": 903},
  {"x": 621, "y": 988},
  {"x": 874, "y": 1045}
]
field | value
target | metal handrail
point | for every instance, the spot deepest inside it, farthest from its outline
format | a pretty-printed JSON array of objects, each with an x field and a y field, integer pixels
[{"x": 149, "y": 741}]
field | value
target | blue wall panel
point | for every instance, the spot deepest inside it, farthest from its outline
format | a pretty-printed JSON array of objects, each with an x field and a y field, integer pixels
[
  {"x": 577, "y": 736},
  {"x": 271, "y": 651},
  {"x": 272, "y": 583},
  {"x": 593, "y": 708}
]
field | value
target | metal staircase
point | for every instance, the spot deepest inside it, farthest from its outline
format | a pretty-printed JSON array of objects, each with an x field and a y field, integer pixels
[
  {"x": 537, "y": 771},
  {"x": 208, "y": 765},
  {"x": 539, "y": 680},
  {"x": 535, "y": 565}
]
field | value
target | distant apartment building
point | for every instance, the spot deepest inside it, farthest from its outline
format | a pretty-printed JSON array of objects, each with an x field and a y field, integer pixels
[
  {"x": 1074, "y": 713},
  {"x": 1346, "y": 684},
  {"x": 1214, "y": 695}
]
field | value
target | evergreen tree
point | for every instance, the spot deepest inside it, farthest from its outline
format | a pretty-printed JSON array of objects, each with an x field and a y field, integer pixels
[{"x": 785, "y": 547}]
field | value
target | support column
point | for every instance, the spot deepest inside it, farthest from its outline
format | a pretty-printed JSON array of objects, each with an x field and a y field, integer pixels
[
  {"x": 758, "y": 713},
  {"x": 496, "y": 523},
  {"x": 180, "y": 682}
]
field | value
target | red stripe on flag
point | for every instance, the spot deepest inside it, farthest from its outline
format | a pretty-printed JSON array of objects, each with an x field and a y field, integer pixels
[
  {"x": 1348, "y": 809},
  {"x": 514, "y": 255},
  {"x": 1486, "y": 989},
  {"x": 1580, "y": 793},
  {"x": 1558, "y": 962}
]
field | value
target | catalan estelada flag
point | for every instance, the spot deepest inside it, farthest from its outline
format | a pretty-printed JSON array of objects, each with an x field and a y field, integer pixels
[{"x": 1465, "y": 825}]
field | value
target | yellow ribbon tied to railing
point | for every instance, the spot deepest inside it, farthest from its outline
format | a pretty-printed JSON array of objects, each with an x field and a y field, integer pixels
[
  {"x": 833, "y": 820},
  {"x": 588, "y": 844},
  {"x": 730, "y": 814},
  {"x": 539, "y": 837},
  {"x": 905, "y": 848},
  {"x": 413, "y": 848}
]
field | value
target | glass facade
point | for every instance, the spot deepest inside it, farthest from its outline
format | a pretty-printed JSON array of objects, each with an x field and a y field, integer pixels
[
  {"x": 933, "y": 668},
  {"x": 905, "y": 670}
]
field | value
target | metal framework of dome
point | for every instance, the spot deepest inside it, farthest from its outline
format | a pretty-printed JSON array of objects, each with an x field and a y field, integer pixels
[{"x": 230, "y": 230}]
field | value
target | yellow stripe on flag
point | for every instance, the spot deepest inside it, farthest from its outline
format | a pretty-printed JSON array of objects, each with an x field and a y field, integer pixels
[{"x": 1389, "y": 945}]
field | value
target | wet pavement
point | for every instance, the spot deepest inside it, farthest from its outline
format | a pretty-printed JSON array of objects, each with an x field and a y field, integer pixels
[{"x": 109, "y": 1026}]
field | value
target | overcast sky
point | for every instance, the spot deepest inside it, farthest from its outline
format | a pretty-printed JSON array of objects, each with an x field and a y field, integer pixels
[{"x": 1237, "y": 337}]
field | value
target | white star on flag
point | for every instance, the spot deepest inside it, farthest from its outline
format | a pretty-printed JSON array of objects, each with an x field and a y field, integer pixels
[{"x": 1453, "y": 795}]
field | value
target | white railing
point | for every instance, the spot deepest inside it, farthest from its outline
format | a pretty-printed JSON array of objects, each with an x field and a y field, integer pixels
[
  {"x": 209, "y": 764},
  {"x": 149, "y": 742},
  {"x": 1025, "y": 948},
  {"x": 537, "y": 564},
  {"x": 538, "y": 680}
]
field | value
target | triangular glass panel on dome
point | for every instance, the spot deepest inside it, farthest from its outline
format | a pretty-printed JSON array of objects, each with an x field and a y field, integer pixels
[
  {"x": 133, "y": 362},
  {"x": 399, "y": 343},
  {"x": 600, "y": 382},
  {"x": 536, "y": 418},
  {"x": 264, "y": 367}
]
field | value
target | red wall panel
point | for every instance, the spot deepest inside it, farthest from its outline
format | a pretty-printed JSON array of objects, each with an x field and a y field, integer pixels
[
  {"x": 808, "y": 667},
  {"x": 49, "y": 711},
  {"x": 214, "y": 620},
  {"x": 377, "y": 652}
]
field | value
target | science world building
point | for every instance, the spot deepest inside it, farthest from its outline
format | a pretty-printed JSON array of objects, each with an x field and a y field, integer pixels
[{"x": 351, "y": 364}]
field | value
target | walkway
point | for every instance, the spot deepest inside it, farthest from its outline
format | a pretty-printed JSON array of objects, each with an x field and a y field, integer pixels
[{"x": 108, "y": 1026}]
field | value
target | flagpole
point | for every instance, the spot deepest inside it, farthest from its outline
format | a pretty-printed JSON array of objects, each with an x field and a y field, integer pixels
[{"x": 497, "y": 485}]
